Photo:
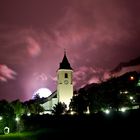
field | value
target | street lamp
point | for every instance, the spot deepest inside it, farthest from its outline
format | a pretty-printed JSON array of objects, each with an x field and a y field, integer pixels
[
  {"x": 131, "y": 97},
  {"x": 132, "y": 77},
  {"x": 107, "y": 111},
  {"x": 28, "y": 114},
  {"x": 17, "y": 119}
]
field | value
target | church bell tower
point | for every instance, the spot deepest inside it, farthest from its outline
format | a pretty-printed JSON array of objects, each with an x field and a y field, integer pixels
[{"x": 64, "y": 82}]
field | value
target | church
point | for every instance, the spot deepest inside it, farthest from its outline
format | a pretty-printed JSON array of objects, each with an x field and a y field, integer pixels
[{"x": 64, "y": 92}]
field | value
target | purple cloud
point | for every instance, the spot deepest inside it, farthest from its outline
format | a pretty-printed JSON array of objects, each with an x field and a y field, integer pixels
[{"x": 6, "y": 73}]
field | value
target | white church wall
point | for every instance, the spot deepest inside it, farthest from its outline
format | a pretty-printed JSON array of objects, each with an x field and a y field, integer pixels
[{"x": 50, "y": 104}]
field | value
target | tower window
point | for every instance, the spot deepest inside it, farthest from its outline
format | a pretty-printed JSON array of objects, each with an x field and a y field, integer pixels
[{"x": 66, "y": 75}]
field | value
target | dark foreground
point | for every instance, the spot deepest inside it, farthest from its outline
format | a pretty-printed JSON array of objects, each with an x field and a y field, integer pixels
[{"x": 107, "y": 126}]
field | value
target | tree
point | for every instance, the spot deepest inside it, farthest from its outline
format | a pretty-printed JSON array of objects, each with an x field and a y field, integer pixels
[
  {"x": 8, "y": 116},
  {"x": 33, "y": 107},
  {"x": 18, "y": 107},
  {"x": 79, "y": 103},
  {"x": 59, "y": 108}
]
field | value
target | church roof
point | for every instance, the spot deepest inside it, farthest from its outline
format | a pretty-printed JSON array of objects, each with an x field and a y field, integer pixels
[
  {"x": 53, "y": 95},
  {"x": 65, "y": 63}
]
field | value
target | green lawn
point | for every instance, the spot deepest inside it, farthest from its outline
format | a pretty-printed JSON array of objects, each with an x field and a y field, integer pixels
[
  {"x": 34, "y": 135},
  {"x": 17, "y": 136},
  {"x": 23, "y": 135}
]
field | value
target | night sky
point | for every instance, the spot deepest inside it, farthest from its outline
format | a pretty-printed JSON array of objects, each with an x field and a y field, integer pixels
[{"x": 97, "y": 34}]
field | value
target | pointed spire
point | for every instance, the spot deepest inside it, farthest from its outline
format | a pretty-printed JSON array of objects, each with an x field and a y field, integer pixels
[
  {"x": 65, "y": 63},
  {"x": 64, "y": 51}
]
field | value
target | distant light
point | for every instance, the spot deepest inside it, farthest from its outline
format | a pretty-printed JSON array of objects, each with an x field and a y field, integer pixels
[
  {"x": 28, "y": 114},
  {"x": 17, "y": 119},
  {"x": 0, "y": 118},
  {"x": 126, "y": 92},
  {"x": 123, "y": 109},
  {"x": 136, "y": 107},
  {"x": 45, "y": 112},
  {"x": 88, "y": 112},
  {"x": 107, "y": 111},
  {"x": 72, "y": 113},
  {"x": 138, "y": 84},
  {"x": 121, "y": 92},
  {"x": 132, "y": 78},
  {"x": 134, "y": 101},
  {"x": 41, "y": 113},
  {"x": 131, "y": 98}
]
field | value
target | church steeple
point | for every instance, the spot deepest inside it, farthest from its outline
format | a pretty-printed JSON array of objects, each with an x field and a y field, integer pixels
[
  {"x": 65, "y": 63},
  {"x": 65, "y": 81}
]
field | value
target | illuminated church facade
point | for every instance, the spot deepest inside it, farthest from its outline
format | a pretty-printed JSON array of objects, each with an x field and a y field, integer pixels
[{"x": 64, "y": 92}]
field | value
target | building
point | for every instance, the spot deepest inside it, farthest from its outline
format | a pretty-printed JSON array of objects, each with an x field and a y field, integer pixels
[
  {"x": 64, "y": 90},
  {"x": 64, "y": 81}
]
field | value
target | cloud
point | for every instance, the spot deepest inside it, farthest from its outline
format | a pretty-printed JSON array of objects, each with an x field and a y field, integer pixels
[
  {"x": 6, "y": 73},
  {"x": 3, "y": 79},
  {"x": 86, "y": 75},
  {"x": 107, "y": 75},
  {"x": 33, "y": 46},
  {"x": 41, "y": 76},
  {"x": 94, "y": 80},
  {"x": 126, "y": 69},
  {"x": 93, "y": 24},
  {"x": 97, "y": 35}
]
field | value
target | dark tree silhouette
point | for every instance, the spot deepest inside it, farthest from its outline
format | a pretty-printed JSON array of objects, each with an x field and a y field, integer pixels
[
  {"x": 33, "y": 106},
  {"x": 79, "y": 102},
  {"x": 8, "y": 116},
  {"x": 59, "y": 108}
]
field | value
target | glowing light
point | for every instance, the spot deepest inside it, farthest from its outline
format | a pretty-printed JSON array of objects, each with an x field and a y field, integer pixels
[
  {"x": 72, "y": 112},
  {"x": 107, "y": 111},
  {"x": 87, "y": 112},
  {"x": 131, "y": 98},
  {"x": 133, "y": 101},
  {"x": 45, "y": 112},
  {"x": 43, "y": 93},
  {"x": 126, "y": 92},
  {"x": 28, "y": 114},
  {"x": 123, "y": 109},
  {"x": 17, "y": 119},
  {"x": 132, "y": 78},
  {"x": 138, "y": 84},
  {"x": 41, "y": 113},
  {"x": 0, "y": 118}
]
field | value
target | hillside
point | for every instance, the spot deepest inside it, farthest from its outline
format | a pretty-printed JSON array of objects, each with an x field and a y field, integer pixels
[
  {"x": 124, "y": 67},
  {"x": 132, "y": 62}
]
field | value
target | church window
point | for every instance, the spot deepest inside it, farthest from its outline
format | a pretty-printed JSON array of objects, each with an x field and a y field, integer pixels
[{"x": 66, "y": 75}]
